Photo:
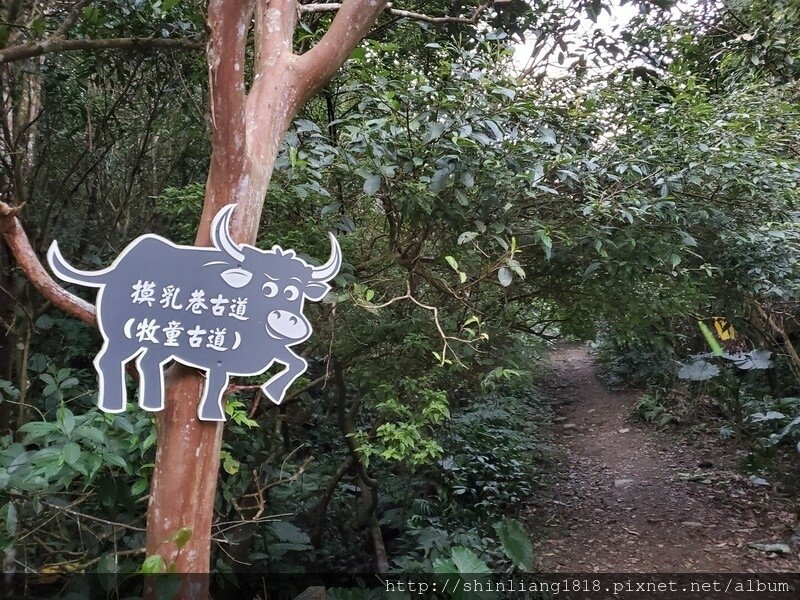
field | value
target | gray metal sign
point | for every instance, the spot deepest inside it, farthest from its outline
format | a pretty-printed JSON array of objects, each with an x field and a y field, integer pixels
[{"x": 230, "y": 310}]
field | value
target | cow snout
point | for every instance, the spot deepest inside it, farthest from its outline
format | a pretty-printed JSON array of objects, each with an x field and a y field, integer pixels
[{"x": 287, "y": 325}]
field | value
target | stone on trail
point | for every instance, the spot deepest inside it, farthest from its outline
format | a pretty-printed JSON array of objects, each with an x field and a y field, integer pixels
[
  {"x": 776, "y": 548},
  {"x": 622, "y": 483}
]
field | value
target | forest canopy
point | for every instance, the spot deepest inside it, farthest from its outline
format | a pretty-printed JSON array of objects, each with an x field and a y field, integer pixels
[{"x": 637, "y": 175}]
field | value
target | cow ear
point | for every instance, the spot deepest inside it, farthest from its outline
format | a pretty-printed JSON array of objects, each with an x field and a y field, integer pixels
[
  {"x": 316, "y": 291},
  {"x": 237, "y": 278}
]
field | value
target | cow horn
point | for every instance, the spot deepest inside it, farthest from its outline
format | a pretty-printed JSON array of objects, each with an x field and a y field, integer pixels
[
  {"x": 220, "y": 233},
  {"x": 328, "y": 271}
]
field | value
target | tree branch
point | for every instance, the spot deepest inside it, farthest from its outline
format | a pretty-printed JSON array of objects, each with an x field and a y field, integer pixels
[
  {"x": 71, "y": 18},
  {"x": 228, "y": 22},
  {"x": 275, "y": 24},
  {"x": 408, "y": 14},
  {"x": 20, "y": 246},
  {"x": 352, "y": 22},
  {"x": 52, "y": 45}
]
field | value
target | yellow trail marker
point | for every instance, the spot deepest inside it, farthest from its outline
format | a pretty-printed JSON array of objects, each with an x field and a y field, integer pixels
[{"x": 725, "y": 330}]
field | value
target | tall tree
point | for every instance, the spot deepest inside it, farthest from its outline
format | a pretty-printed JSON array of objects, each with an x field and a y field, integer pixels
[{"x": 249, "y": 118}]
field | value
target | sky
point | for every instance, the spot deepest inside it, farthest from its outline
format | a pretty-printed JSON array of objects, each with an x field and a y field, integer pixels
[{"x": 621, "y": 15}]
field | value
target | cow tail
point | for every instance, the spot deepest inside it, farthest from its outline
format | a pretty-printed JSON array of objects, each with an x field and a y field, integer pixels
[{"x": 69, "y": 273}]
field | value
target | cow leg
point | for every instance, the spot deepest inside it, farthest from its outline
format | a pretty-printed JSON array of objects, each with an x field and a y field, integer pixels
[
  {"x": 151, "y": 382},
  {"x": 275, "y": 388},
  {"x": 211, "y": 405},
  {"x": 111, "y": 393}
]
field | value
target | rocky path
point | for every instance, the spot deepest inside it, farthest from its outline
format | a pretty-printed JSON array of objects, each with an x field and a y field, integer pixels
[{"x": 628, "y": 498}]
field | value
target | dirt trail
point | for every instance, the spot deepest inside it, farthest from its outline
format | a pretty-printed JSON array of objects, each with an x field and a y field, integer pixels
[{"x": 630, "y": 499}]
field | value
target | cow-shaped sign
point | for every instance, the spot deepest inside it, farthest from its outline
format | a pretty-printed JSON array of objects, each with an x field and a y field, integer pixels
[{"x": 230, "y": 310}]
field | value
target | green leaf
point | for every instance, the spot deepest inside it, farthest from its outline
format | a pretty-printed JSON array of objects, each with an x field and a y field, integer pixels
[
  {"x": 439, "y": 180},
  {"x": 508, "y": 93},
  {"x": 44, "y": 322},
  {"x": 115, "y": 460},
  {"x": 358, "y": 54},
  {"x": 444, "y": 566},
  {"x": 182, "y": 537},
  {"x": 771, "y": 415},
  {"x": 289, "y": 533},
  {"x": 591, "y": 269},
  {"x": 68, "y": 383},
  {"x": 71, "y": 453},
  {"x": 92, "y": 433},
  {"x": 333, "y": 207},
  {"x": 698, "y": 371},
  {"x": 91, "y": 15},
  {"x": 547, "y": 244},
  {"x": 65, "y": 418},
  {"x": 37, "y": 429},
  {"x": 148, "y": 441},
  {"x": 467, "y": 236},
  {"x": 11, "y": 518},
  {"x": 278, "y": 549},
  {"x": 505, "y": 276},
  {"x": 372, "y": 184},
  {"x": 108, "y": 564},
  {"x": 122, "y": 422},
  {"x": 229, "y": 464},
  {"x": 755, "y": 359},
  {"x": 435, "y": 130},
  {"x": 38, "y": 26},
  {"x": 452, "y": 262},
  {"x": 169, "y": 586},
  {"x": 466, "y": 561},
  {"x": 153, "y": 564},
  {"x": 516, "y": 543},
  {"x": 138, "y": 487}
]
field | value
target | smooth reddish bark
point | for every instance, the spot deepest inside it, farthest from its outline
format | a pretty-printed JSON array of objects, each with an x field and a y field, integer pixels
[
  {"x": 248, "y": 127},
  {"x": 247, "y": 130},
  {"x": 29, "y": 262}
]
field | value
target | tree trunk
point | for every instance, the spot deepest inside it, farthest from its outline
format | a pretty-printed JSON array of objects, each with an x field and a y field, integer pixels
[
  {"x": 21, "y": 104},
  {"x": 185, "y": 475},
  {"x": 247, "y": 130}
]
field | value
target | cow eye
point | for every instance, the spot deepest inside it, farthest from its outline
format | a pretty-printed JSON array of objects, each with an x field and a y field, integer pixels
[
  {"x": 291, "y": 292},
  {"x": 270, "y": 289}
]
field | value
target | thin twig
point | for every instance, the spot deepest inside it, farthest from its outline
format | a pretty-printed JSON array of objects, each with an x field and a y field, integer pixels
[
  {"x": 81, "y": 515},
  {"x": 446, "y": 339},
  {"x": 408, "y": 14}
]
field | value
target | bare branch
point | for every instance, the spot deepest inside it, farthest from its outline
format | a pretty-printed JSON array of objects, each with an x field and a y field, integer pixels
[
  {"x": 20, "y": 246},
  {"x": 446, "y": 339},
  {"x": 71, "y": 18},
  {"x": 81, "y": 515},
  {"x": 408, "y": 14},
  {"x": 52, "y": 45}
]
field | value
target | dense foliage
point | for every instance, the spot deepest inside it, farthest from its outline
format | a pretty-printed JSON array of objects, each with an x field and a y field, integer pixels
[{"x": 644, "y": 181}]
